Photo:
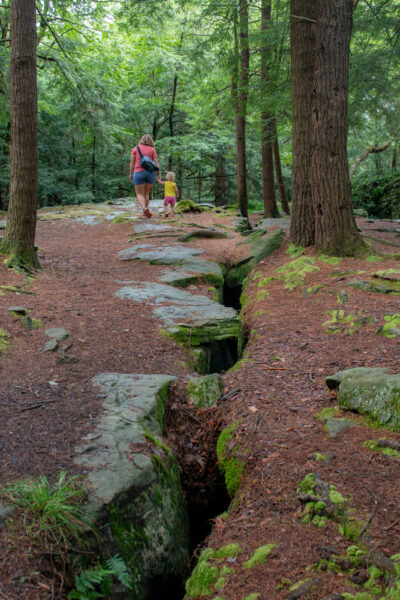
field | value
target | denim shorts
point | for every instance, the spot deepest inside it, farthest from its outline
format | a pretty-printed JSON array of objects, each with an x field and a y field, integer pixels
[{"x": 143, "y": 177}]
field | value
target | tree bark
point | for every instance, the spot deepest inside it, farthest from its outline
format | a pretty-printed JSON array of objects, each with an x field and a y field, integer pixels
[
  {"x": 19, "y": 239},
  {"x": 278, "y": 172},
  {"x": 335, "y": 227},
  {"x": 302, "y": 35},
  {"x": 221, "y": 184},
  {"x": 93, "y": 167},
  {"x": 240, "y": 87},
  {"x": 267, "y": 134}
]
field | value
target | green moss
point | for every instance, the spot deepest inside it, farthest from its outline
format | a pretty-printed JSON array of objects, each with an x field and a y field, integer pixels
[
  {"x": 314, "y": 289},
  {"x": 294, "y": 251},
  {"x": 260, "y": 313},
  {"x": 391, "y": 328},
  {"x": 253, "y": 596},
  {"x": 230, "y": 464},
  {"x": 260, "y": 556},
  {"x": 372, "y": 258},
  {"x": 339, "y": 322},
  {"x": 294, "y": 273},
  {"x": 4, "y": 340},
  {"x": 328, "y": 413},
  {"x": 267, "y": 280},
  {"x": 261, "y": 295},
  {"x": 357, "y": 596},
  {"x": 203, "y": 576},
  {"x": 330, "y": 260},
  {"x": 320, "y": 457},
  {"x": 320, "y": 507},
  {"x": 231, "y": 550},
  {"x": 122, "y": 218},
  {"x": 239, "y": 364},
  {"x": 351, "y": 528},
  {"x": 373, "y": 445},
  {"x": 335, "y": 496}
]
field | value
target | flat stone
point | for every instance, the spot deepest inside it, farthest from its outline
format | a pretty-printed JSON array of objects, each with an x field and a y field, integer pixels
[
  {"x": 143, "y": 227},
  {"x": 159, "y": 255},
  {"x": 135, "y": 494},
  {"x": 19, "y": 310},
  {"x": 192, "y": 270},
  {"x": 3, "y": 224},
  {"x": 205, "y": 391},
  {"x": 89, "y": 220},
  {"x": 58, "y": 333},
  {"x": 51, "y": 345},
  {"x": 336, "y": 426},
  {"x": 369, "y": 391}
]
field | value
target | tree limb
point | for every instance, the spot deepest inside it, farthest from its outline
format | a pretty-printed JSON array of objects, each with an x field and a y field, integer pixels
[{"x": 369, "y": 150}]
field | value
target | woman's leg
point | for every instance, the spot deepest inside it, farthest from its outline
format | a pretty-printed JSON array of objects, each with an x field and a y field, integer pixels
[
  {"x": 147, "y": 188},
  {"x": 140, "y": 194}
]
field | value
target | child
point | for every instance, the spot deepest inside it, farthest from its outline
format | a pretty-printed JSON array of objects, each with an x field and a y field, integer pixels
[{"x": 171, "y": 193}]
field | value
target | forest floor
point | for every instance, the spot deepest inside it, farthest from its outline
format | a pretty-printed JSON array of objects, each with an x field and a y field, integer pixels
[{"x": 276, "y": 395}]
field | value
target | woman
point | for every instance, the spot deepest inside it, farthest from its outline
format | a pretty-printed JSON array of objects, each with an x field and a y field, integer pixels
[{"x": 143, "y": 180}]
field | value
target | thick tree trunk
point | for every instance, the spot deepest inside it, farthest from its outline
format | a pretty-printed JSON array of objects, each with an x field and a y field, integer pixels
[
  {"x": 241, "y": 106},
  {"x": 21, "y": 219},
  {"x": 269, "y": 201},
  {"x": 302, "y": 35},
  {"x": 335, "y": 228},
  {"x": 278, "y": 172}
]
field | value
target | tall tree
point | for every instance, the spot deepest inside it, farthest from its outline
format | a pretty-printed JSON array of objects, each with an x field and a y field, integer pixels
[
  {"x": 240, "y": 89},
  {"x": 19, "y": 241},
  {"x": 267, "y": 127},
  {"x": 335, "y": 228},
  {"x": 302, "y": 38}
]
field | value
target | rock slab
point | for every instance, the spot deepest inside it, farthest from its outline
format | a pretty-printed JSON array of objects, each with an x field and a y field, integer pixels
[{"x": 135, "y": 493}]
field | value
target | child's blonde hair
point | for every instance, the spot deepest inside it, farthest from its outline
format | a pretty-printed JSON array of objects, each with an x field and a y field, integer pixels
[{"x": 170, "y": 176}]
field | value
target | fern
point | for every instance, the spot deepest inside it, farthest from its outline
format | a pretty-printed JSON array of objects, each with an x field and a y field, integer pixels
[{"x": 97, "y": 583}]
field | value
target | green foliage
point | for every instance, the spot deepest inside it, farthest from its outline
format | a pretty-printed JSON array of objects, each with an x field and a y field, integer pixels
[
  {"x": 229, "y": 460},
  {"x": 97, "y": 582},
  {"x": 53, "y": 510}
]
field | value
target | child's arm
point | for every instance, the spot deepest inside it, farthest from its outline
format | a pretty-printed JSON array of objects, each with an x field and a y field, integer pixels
[{"x": 176, "y": 191}]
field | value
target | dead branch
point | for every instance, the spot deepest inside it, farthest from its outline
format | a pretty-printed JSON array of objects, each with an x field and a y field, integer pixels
[{"x": 369, "y": 150}]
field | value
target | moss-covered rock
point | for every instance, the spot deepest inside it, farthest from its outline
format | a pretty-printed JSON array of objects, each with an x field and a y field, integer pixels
[
  {"x": 4, "y": 340},
  {"x": 135, "y": 494},
  {"x": 184, "y": 206},
  {"x": 205, "y": 392},
  {"x": 391, "y": 327},
  {"x": 371, "y": 392}
]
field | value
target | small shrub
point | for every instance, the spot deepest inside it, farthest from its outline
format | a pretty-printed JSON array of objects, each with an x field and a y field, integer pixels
[{"x": 97, "y": 582}]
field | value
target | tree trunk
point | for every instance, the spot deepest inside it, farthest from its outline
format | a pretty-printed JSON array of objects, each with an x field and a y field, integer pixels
[
  {"x": 335, "y": 227},
  {"x": 240, "y": 87},
  {"x": 19, "y": 239},
  {"x": 221, "y": 185},
  {"x": 93, "y": 167},
  {"x": 269, "y": 201},
  {"x": 394, "y": 157},
  {"x": 278, "y": 172},
  {"x": 302, "y": 35}
]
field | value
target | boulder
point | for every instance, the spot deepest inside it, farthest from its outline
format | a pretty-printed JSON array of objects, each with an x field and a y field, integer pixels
[
  {"x": 369, "y": 391},
  {"x": 204, "y": 233},
  {"x": 135, "y": 493},
  {"x": 205, "y": 391},
  {"x": 192, "y": 271}
]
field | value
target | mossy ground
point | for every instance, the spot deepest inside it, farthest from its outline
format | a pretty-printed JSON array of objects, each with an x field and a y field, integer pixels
[{"x": 230, "y": 459}]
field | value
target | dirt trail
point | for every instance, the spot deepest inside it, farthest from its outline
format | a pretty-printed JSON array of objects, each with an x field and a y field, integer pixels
[{"x": 47, "y": 402}]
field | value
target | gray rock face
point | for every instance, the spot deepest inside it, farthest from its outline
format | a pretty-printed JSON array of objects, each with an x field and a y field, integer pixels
[
  {"x": 57, "y": 333},
  {"x": 372, "y": 392},
  {"x": 204, "y": 233},
  {"x": 6, "y": 511},
  {"x": 165, "y": 255},
  {"x": 135, "y": 493},
  {"x": 205, "y": 391}
]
